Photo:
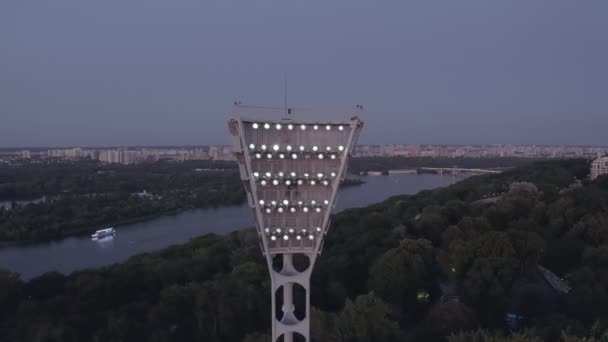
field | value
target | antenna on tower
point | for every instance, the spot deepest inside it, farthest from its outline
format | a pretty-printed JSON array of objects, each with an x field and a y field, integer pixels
[{"x": 287, "y": 111}]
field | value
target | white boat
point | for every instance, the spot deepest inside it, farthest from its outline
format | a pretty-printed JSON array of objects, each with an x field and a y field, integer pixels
[{"x": 103, "y": 233}]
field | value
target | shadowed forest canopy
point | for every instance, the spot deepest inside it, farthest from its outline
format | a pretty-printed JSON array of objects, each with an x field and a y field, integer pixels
[{"x": 440, "y": 265}]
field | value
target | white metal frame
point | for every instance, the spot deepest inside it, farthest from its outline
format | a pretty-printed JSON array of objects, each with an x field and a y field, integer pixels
[{"x": 288, "y": 275}]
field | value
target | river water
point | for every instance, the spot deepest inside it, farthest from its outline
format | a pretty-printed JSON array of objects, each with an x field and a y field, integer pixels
[{"x": 76, "y": 253}]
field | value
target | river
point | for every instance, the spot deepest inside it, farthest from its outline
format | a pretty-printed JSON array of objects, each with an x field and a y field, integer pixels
[{"x": 76, "y": 253}]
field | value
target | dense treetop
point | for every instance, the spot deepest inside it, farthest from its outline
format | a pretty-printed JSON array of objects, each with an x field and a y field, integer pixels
[{"x": 450, "y": 264}]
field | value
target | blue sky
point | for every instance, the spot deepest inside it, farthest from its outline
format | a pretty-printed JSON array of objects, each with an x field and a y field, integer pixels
[{"x": 156, "y": 72}]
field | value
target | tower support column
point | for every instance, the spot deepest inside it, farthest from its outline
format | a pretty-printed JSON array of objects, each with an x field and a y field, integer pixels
[{"x": 286, "y": 324}]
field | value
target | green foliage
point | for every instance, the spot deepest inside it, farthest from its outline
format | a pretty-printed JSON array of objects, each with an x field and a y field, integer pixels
[
  {"x": 377, "y": 264},
  {"x": 402, "y": 273},
  {"x": 364, "y": 320},
  {"x": 485, "y": 336},
  {"x": 86, "y": 195}
]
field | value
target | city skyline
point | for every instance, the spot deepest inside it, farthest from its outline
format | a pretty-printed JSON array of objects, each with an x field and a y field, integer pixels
[
  {"x": 520, "y": 72},
  {"x": 134, "y": 155}
]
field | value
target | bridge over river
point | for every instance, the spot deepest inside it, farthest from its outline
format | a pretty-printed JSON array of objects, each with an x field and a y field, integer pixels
[{"x": 442, "y": 170}]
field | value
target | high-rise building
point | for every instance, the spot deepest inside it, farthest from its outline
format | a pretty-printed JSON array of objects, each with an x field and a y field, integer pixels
[
  {"x": 26, "y": 154},
  {"x": 291, "y": 170},
  {"x": 599, "y": 167}
]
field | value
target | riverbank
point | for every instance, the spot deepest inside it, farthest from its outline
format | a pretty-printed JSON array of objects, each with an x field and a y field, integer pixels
[
  {"x": 87, "y": 230},
  {"x": 73, "y": 253}
]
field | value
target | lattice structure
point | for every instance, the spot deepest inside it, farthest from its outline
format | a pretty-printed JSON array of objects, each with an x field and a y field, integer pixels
[{"x": 291, "y": 170}]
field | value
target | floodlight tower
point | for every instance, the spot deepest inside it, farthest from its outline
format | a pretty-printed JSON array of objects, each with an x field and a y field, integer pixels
[{"x": 291, "y": 170}]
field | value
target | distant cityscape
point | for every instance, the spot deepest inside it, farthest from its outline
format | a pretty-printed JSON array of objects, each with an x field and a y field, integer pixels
[{"x": 133, "y": 155}]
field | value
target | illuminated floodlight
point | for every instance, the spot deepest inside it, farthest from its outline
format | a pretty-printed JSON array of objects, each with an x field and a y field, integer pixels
[{"x": 293, "y": 157}]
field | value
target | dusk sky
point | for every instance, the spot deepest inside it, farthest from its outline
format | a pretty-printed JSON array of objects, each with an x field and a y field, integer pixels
[{"x": 158, "y": 72}]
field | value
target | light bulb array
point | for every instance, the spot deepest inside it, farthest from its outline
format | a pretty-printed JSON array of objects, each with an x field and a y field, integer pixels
[
  {"x": 287, "y": 234},
  {"x": 289, "y": 148},
  {"x": 290, "y": 127},
  {"x": 293, "y": 176},
  {"x": 294, "y": 155},
  {"x": 290, "y": 182},
  {"x": 292, "y": 207}
]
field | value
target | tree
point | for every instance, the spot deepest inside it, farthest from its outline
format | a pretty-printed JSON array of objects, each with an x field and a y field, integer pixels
[
  {"x": 11, "y": 291},
  {"x": 486, "y": 336},
  {"x": 365, "y": 320},
  {"x": 445, "y": 319},
  {"x": 401, "y": 273}
]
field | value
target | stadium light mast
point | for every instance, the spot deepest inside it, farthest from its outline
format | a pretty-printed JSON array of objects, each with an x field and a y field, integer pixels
[{"x": 291, "y": 170}]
